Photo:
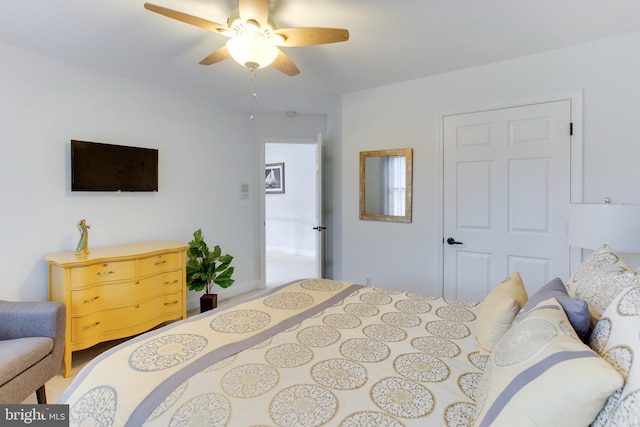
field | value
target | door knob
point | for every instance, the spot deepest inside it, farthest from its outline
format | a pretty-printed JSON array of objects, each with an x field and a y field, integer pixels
[{"x": 452, "y": 241}]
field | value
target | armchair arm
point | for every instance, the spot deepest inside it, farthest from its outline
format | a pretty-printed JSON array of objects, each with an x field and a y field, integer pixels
[{"x": 31, "y": 319}]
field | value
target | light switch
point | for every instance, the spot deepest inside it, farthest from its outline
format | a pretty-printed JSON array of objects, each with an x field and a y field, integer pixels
[{"x": 244, "y": 191}]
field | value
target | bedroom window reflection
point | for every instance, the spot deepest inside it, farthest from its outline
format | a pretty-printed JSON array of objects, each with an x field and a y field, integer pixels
[
  {"x": 385, "y": 185},
  {"x": 395, "y": 169}
]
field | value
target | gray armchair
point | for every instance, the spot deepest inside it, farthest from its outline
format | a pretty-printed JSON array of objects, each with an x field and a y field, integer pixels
[{"x": 31, "y": 345}]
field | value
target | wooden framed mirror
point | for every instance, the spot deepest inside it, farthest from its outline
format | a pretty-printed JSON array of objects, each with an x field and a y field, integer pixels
[{"x": 386, "y": 184}]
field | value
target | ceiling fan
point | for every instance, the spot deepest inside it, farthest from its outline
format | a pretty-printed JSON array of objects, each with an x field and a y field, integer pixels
[{"x": 254, "y": 40}]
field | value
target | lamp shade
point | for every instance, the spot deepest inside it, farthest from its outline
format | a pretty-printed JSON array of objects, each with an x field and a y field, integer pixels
[
  {"x": 252, "y": 50},
  {"x": 592, "y": 225}
]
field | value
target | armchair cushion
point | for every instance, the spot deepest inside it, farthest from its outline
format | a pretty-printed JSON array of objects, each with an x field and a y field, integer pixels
[{"x": 31, "y": 351}]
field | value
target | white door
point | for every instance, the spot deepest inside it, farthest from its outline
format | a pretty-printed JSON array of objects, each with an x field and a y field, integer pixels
[
  {"x": 320, "y": 227},
  {"x": 506, "y": 197}
]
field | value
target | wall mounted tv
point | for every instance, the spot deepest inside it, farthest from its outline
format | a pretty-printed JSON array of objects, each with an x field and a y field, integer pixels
[{"x": 107, "y": 167}]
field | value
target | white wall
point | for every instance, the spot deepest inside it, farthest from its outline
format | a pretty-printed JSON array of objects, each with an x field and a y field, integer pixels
[
  {"x": 405, "y": 115},
  {"x": 204, "y": 154},
  {"x": 291, "y": 216}
]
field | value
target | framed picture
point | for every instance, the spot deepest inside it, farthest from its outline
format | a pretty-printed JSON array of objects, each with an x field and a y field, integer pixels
[{"x": 274, "y": 178}]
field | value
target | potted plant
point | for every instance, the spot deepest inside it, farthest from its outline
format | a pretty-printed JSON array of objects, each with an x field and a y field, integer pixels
[{"x": 206, "y": 268}]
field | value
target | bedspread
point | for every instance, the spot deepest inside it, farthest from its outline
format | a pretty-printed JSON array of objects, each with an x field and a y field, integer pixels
[{"x": 313, "y": 352}]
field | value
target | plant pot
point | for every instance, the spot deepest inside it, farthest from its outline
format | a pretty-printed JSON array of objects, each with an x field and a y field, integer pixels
[{"x": 208, "y": 302}]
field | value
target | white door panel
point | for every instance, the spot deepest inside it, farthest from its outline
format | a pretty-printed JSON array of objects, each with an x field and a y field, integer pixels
[
  {"x": 506, "y": 195},
  {"x": 529, "y": 195},
  {"x": 536, "y": 270},
  {"x": 474, "y": 195},
  {"x": 473, "y": 275}
]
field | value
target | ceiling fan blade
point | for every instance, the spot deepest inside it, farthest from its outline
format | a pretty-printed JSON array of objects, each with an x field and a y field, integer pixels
[
  {"x": 284, "y": 64},
  {"x": 312, "y": 36},
  {"x": 257, "y": 10},
  {"x": 217, "y": 56},
  {"x": 189, "y": 19}
]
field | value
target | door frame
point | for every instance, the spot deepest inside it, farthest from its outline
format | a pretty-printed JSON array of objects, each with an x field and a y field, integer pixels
[
  {"x": 576, "y": 160},
  {"x": 259, "y": 183}
]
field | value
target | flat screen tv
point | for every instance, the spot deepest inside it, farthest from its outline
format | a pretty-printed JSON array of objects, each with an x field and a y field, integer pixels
[{"x": 107, "y": 167}]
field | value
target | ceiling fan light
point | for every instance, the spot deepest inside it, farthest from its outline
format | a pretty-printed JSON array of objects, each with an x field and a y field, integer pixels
[
  {"x": 252, "y": 51},
  {"x": 251, "y": 27},
  {"x": 277, "y": 39}
]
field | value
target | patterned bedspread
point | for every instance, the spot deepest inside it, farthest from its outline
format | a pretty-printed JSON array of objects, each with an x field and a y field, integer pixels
[{"x": 314, "y": 352}]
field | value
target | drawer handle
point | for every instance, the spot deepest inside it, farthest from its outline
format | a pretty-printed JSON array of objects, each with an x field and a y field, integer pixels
[
  {"x": 136, "y": 306},
  {"x": 92, "y": 326},
  {"x": 90, "y": 299},
  {"x": 160, "y": 263},
  {"x": 171, "y": 303},
  {"x": 168, "y": 282},
  {"x": 104, "y": 273}
]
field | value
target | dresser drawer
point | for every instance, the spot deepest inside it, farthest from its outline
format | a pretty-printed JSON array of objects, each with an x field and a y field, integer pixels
[
  {"x": 105, "y": 321},
  {"x": 171, "y": 304},
  {"x": 102, "y": 272},
  {"x": 85, "y": 301},
  {"x": 165, "y": 282},
  {"x": 160, "y": 263},
  {"x": 161, "y": 283}
]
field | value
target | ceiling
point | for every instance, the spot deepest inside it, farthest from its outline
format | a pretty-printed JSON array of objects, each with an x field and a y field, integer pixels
[{"x": 390, "y": 41}]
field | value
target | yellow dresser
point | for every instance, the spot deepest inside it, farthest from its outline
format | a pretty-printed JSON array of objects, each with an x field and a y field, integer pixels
[{"x": 117, "y": 291}]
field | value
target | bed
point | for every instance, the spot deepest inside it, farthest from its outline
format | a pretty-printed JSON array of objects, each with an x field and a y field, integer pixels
[{"x": 324, "y": 352}]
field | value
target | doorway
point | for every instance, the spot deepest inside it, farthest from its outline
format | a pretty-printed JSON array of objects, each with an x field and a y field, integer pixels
[
  {"x": 507, "y": 187},
  {"x": 290, "y": 211}
]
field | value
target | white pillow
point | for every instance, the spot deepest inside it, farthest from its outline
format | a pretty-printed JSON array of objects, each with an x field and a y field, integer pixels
[
  {"x": 601, "y": 277},
  {"x": 541, "y": 374},
  {"x": 616, "y": 338},
  {"x": 498, "y": 310}
]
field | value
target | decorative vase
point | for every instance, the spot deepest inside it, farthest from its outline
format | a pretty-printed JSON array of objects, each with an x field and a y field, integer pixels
[{"x": 208, "y": 302}]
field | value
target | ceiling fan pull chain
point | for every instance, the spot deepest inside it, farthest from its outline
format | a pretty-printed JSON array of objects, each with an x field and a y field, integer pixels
[{"x": 254, "y": 95}]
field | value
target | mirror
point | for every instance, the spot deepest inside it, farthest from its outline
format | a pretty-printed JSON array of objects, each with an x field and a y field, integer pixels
[{"x": 386, "y": 184}]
